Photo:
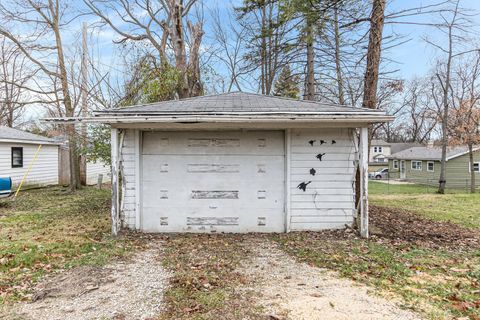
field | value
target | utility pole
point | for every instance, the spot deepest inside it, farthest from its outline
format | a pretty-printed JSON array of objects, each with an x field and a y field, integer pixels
[{"x": 83, "y": 95}]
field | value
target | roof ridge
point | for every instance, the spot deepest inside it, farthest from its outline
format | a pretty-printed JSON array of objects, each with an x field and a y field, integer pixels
[{"x": 325, "y": 104}]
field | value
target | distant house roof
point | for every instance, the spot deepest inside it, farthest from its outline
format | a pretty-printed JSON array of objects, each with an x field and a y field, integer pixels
[
  {"x": 430, "y": 153},
  {"x": 379, "y": 142},
  {"x": 8, "y": 134},
  {"x": 399, "y": 146},
  {"x": 394, "y": 146}
]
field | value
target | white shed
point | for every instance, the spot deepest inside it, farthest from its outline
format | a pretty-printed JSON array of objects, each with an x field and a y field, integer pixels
[
  {"x": 17, "y": 151},
  {"x": 237, "y": 162}
]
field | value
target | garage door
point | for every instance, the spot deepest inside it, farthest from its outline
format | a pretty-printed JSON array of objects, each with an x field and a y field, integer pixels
[{"x": 213, "y": 181}]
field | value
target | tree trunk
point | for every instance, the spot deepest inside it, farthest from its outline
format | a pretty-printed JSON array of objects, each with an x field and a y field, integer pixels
[
  {"x": 69, "y": 111},
  {"x": 472, "y": 172},
  {"x": 310, "y": 83},
  {"x": 178, "y": 44},
  {"x": 446, "y": 85},
  {"x": 263, "y": 53},
  {"x": 195, "y": 86},
  {"x": 338, "y": 67},
  {"x": 372, "y": 69},
  {"x": 374, "y": 54}
]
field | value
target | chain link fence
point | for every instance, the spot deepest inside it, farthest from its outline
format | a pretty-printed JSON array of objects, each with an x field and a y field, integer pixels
[{"x": 391, "y": 186}]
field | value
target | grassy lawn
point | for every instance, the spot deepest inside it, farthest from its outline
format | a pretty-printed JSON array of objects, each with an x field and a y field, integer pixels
[
  {"x": 48, "y": 229},
  {"x": 455, "y": 206},
  {"x": 438, "y": 280},
  {"x": 439, "y": 283}
]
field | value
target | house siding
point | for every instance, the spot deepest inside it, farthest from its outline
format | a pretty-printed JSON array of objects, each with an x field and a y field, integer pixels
[
  {"x": 328, "y": 200},
  {"x": 458, "y": 175},
  {"x": 43, "y": 172},
  {"x": 96, "y": 168},
  {"x": 392, "y": 172},
  {"x": 128, "y": 164}
]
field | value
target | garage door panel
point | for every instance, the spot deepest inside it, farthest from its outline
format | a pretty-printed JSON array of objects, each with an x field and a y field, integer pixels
[
  {"x": 205, "y": 142},
  {"x": 190, "y": 219},
  {"x": 257, "y": 171},
  {"x": 247, "y": 199},
  {"x": 213, "y": 181}
]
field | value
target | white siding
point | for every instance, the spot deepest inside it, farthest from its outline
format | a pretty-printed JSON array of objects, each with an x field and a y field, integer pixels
[
  {"x": 328, "y": 200},
  {"x": 96, "y": 168},
  {"x": 44, "y": 171},
  {"x": 127, "y": 165}
]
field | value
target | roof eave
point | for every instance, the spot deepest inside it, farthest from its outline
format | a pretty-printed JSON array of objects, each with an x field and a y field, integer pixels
[
  {"x": 25, "y": 141},
  {"x": 364, "y": 118}
]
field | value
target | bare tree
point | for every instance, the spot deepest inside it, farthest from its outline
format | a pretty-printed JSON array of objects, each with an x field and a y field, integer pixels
[
  {"x": 454, "y": 25},
  {"x": 229, "y": 49},
  {"x": 14, "y": 76},
  {"x": 166, "y": 27},
  {"x": 268, "y": 38},
  {"x": 45, "y": 19},
  {"x": 415, "y": 119},
  {"x": 464, "y": 120}
]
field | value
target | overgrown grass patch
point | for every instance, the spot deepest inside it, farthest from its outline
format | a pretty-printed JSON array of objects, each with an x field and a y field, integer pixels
[
  {"x": 49, "y": 229},
  {"x": 206, "y": 280},
  {"x": 440, "y": 283}
]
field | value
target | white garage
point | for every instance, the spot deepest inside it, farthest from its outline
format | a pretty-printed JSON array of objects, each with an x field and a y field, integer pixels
[{"x": 238, "y": 162}]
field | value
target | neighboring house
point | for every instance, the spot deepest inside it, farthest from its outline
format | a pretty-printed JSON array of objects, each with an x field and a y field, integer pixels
[
  {"x": 380, "y": 151},
  {"x": 17, "y": 150},
  {"x": 422, "y": 165},
  {"x": 237, "y": 162}
]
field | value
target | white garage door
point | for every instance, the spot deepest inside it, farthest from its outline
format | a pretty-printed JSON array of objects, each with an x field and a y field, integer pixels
[{"x": 222, "y": 181}]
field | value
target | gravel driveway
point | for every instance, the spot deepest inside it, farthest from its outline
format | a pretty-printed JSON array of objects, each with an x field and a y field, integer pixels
[
  {"x": 130, "y": 289},
  {"x": 288, "y": 289},
  {"x": 133, "y": 289}
]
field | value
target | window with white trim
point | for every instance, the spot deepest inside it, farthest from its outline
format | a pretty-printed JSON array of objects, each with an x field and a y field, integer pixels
[
  {"x": 416, "y": 165},
  {"x": 378, "y": 149},
  {"x": 430, "y": 166},
  {"x": 476, "y": 167},
  {"x": 395, "y": 164}
]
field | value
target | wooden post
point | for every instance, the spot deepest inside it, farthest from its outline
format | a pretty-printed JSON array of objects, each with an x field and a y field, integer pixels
[
  {"x": 115, "y": 188},
  {"x": 363, "y": 166},
  {"x": 99, "y": 181}
]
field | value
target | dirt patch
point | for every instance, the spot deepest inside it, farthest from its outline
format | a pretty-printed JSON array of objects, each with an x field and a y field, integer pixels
[
  {"x": 397, "y": 224},
  {"x": 288, "y": 289},
  {"x": 131, "y": 289}
]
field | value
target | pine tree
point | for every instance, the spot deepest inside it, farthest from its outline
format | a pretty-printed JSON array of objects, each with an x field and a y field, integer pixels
[{"x": 287, "y": 84}]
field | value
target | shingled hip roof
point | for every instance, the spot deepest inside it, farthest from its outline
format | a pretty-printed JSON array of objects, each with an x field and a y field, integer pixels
[{"x": 235, "y": 107}]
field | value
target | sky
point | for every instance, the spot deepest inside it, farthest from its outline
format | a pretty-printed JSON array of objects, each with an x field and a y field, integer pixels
[
  {"x": 413, "y": 58},
  {"x": 416, "y": 57}
]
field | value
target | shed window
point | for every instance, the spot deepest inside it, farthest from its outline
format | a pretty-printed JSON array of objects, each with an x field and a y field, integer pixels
[
  {"x": 416, "y": 165},
  {"x": 395, "y": 164},
  {"x": 17, "y": 157},
  {"x": 431, "y": 166},
  {"x": 476, "y": 167}
]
